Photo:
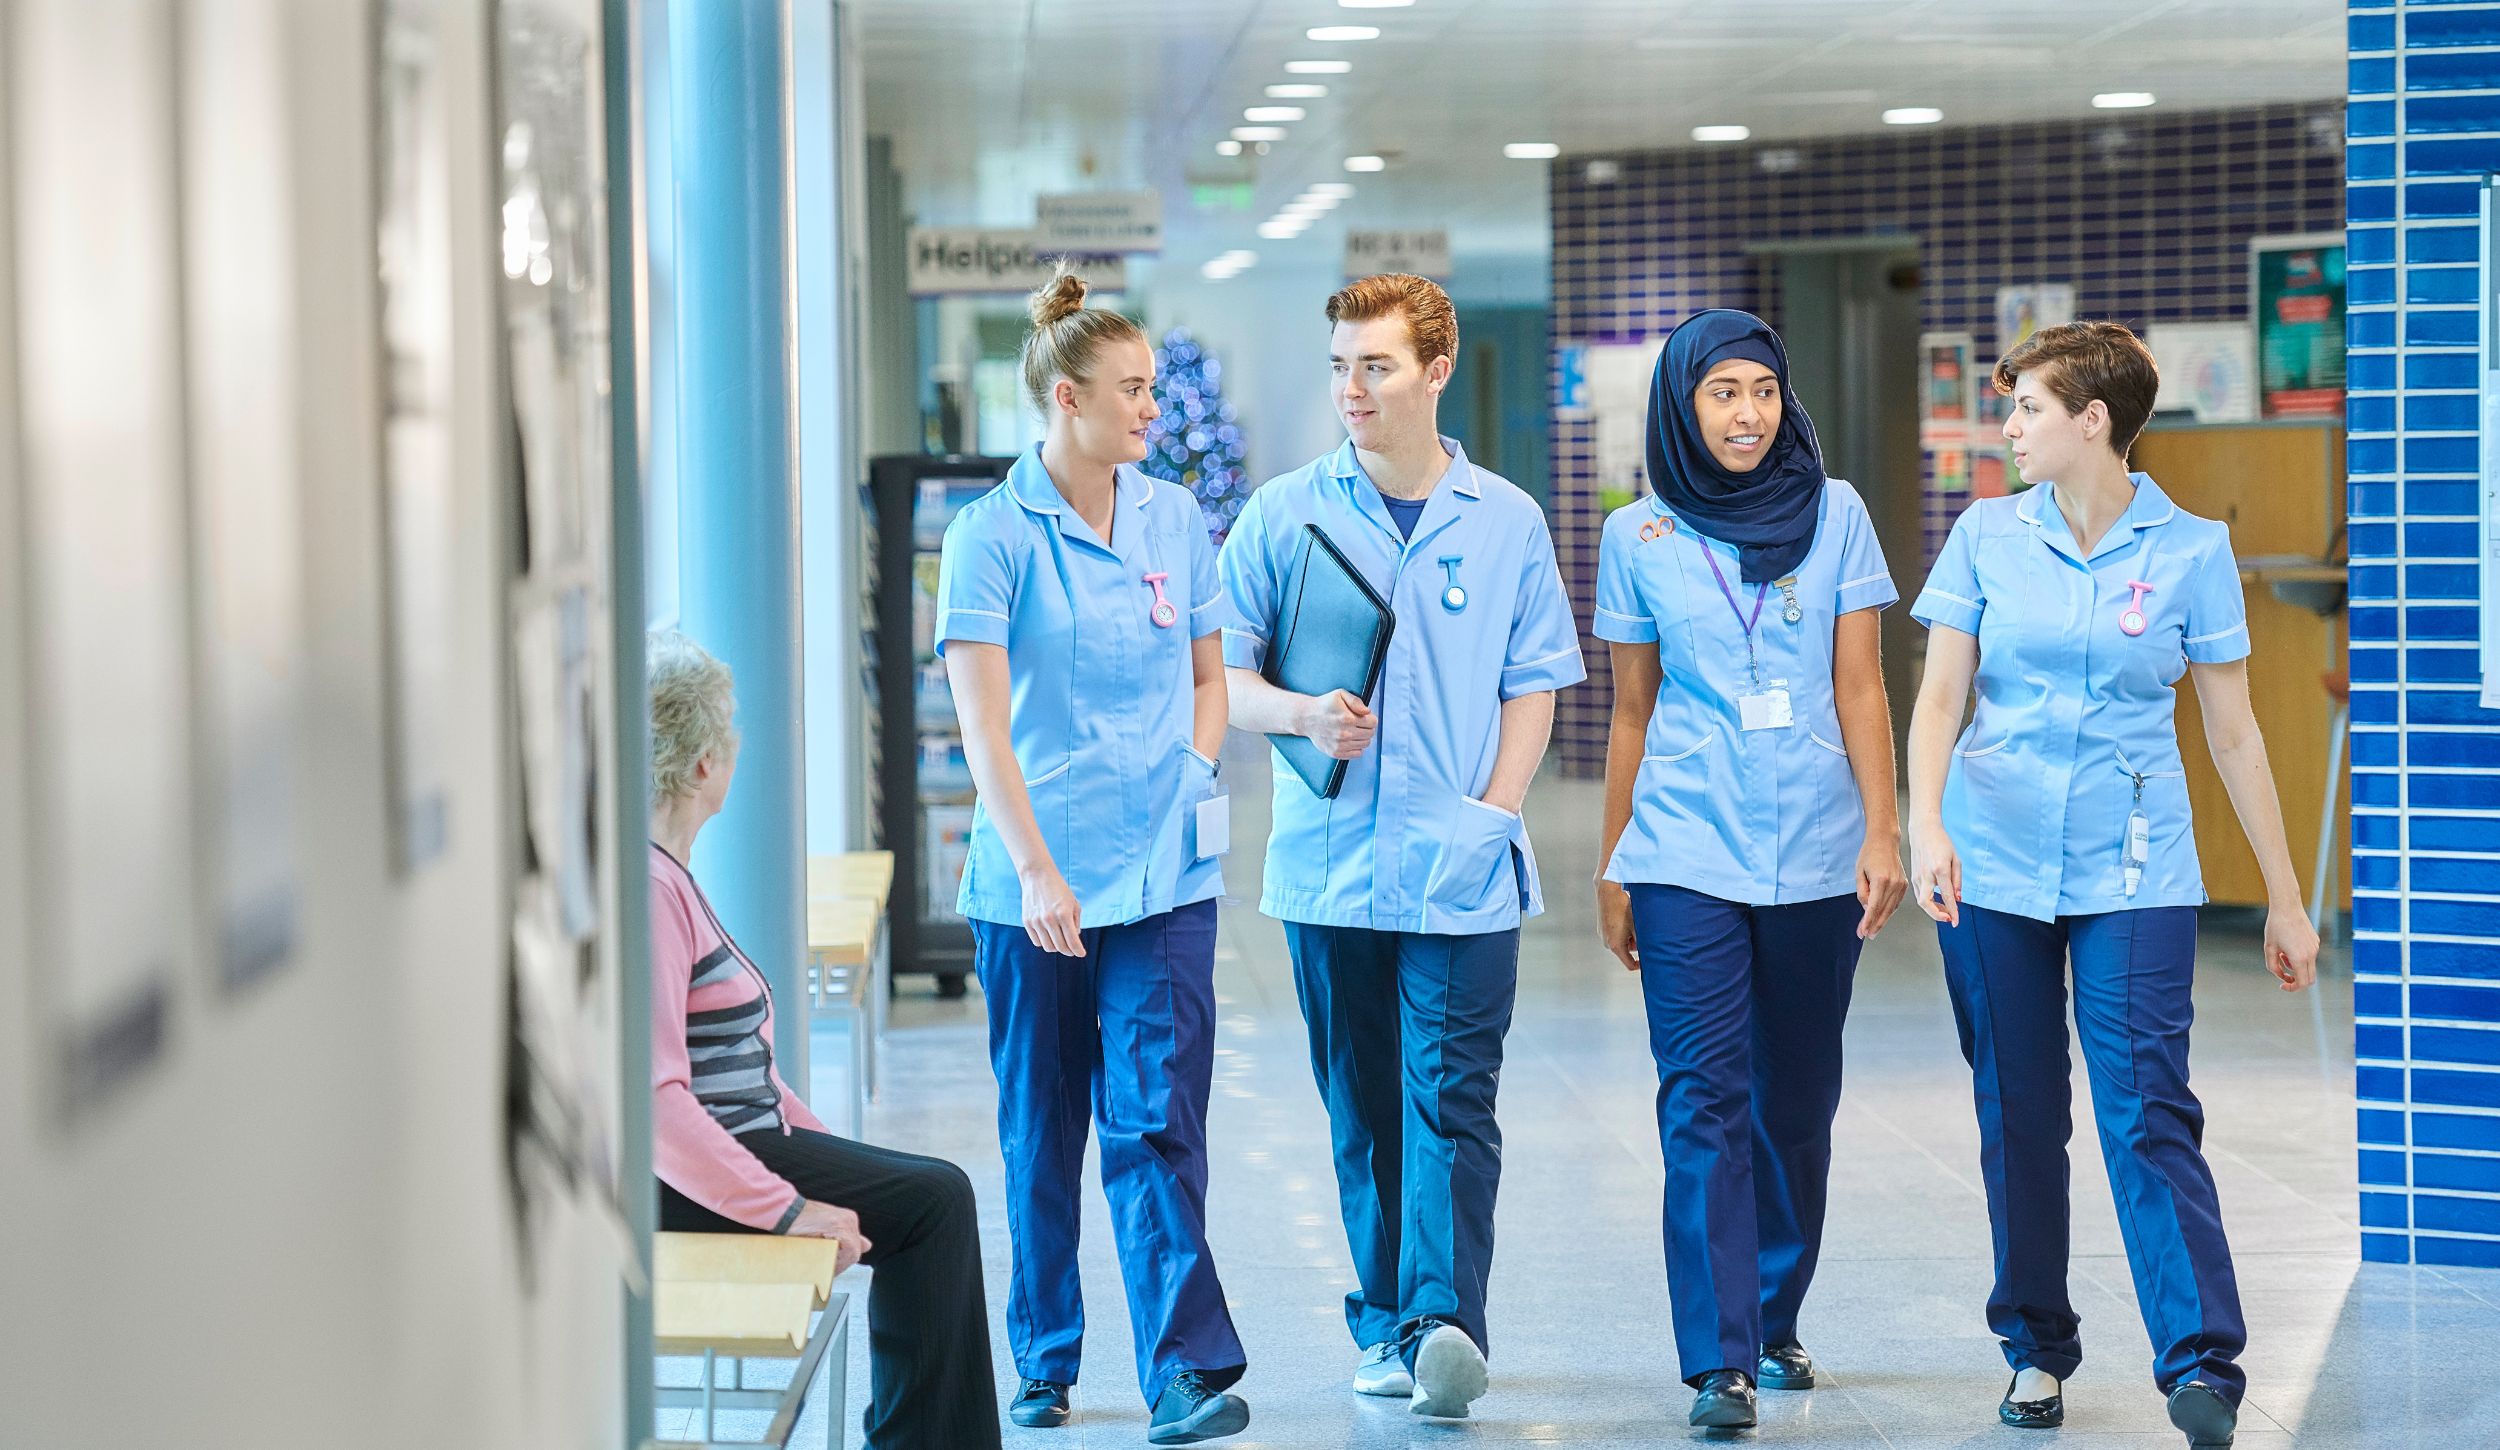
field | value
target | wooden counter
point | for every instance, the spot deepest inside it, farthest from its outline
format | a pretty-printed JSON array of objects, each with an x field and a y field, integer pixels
[{"x": 2280, "y": 486}]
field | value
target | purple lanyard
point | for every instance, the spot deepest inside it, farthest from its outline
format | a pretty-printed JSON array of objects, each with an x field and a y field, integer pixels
[{"x": 1752, "y": 666}]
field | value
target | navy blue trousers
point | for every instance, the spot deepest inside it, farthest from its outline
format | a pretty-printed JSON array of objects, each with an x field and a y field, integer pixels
[
  {"x": 1745, "y": 1007},
  {"x": 1406, "y": 1043},
  {"x": 1130, "y": 1027},
  {"x": 2133, "y": 971}
]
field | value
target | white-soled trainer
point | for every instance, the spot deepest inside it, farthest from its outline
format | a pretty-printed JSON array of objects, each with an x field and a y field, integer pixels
[
  {"x": 1383, "y": 1372},
  {"x": 1449, "y": 1373}
]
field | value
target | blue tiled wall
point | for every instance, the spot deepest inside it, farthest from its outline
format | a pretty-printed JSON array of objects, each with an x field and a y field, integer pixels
[
  {"x": 2147, "y": 215},
  {"x": 2425, "y": 129}
]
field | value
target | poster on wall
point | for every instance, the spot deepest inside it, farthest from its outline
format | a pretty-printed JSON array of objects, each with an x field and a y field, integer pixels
[
  {"x": 246, "y": 500},
  {"x": 101, "y": 457},
  {"x": 564, "y": 1095},
  {"x": 1615, "y": 380},
  {"x": 2208, "y": 370},
  {"x": 2296, "y": 295},
  {"x": 1948, "y": 401},
  {"x": 2022, "y": 311},
  {"x": 412, "y": 237}
]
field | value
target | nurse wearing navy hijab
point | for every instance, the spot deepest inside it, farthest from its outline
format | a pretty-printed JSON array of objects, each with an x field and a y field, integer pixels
[
  {"x": 1751, "y": 834},
  {"x": 2051, "y": 838},
  {"x": 1077, "y": 614},
  {"x": 1402, "y": 894}
]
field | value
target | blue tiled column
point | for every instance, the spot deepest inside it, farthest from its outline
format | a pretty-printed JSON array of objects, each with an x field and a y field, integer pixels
[
  {"x": 2425, "y": 756},
  {"x": 737, "y": 493}
]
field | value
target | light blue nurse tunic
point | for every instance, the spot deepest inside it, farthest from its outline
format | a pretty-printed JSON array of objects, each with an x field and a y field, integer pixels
[
  {"x": 1408, "y": 844},
  {"x": 1103, "y": 699},
  {"x": 2074, "y": 726},
  {"x": 1762, "y": 817}
]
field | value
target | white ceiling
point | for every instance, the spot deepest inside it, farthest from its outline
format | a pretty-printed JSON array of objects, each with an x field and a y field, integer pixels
[{"x": 992, "y": 102}]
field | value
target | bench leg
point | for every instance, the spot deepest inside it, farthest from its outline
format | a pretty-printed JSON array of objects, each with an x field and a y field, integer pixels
[
  {"x": 880, "y": 985},
  {"x": 838, "y": 1388},
  {"x": 859, "y": 1070}
]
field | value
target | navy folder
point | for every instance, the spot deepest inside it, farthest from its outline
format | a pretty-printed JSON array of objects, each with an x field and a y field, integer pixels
[{"x": 1332, "y": 633}]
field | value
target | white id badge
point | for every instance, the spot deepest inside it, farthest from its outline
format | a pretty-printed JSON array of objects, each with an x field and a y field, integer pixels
[
  {"x": 1215, "y": 826},
  {"x": 1766, "y": 708}
]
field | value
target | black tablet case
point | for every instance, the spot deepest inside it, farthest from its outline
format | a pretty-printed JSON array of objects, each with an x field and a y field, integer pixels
[{"x": 1332, "y": 633}]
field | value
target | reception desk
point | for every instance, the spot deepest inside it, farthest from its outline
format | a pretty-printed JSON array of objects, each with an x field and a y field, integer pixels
[{"x": 2280, "y": 486}]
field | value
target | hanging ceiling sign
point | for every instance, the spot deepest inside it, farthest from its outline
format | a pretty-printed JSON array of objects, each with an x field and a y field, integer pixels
[
  {"x": 1100, "y": 221},
  {"x": 961, "y": 260},
  {"x": 1426, "y": 254}
]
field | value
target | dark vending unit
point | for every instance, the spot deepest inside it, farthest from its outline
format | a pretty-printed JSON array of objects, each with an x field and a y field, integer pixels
[{"x": 923, "y": 805}]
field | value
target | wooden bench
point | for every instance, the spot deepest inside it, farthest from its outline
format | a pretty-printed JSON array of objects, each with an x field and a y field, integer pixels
[
  {"x": 751, "y": 1296},
  {"x": 848, "y": 963}
]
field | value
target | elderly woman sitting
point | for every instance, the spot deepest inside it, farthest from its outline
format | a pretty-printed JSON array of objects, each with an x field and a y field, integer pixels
[{"x": 738, "y": 1152}]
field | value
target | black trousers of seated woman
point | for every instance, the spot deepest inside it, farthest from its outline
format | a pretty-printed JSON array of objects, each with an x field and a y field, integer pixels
[{"x": 928, "y": 1319}]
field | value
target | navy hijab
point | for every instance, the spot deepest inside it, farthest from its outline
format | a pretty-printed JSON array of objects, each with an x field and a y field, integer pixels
[{"x": 1768, "y": 514}]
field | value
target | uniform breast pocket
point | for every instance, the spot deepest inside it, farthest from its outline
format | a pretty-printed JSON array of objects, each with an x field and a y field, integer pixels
[{"x": 1667, "y": 593}]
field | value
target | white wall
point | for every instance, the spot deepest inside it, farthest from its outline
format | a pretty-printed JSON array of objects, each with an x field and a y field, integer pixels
[
  {"x": 295, "y": 1229},
  {"x": 1269, "y": 328}
]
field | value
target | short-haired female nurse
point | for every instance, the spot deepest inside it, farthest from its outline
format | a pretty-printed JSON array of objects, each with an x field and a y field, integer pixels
[{"x": 2052, "y": 837}]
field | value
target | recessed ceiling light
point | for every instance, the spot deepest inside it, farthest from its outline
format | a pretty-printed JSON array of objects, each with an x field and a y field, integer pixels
[
  {"x": 1228, "y": 148},
  {"x": 1241, "y": 256},
  {"x": 1304, "y": 91},
  {"x": 1338, "y": 189},
  {"x": 1258, "y": 133},
  {"x": 1720, "y": 133},
  {"x": 1343, "y": 32},
  {"x": 1365, "y": 163},
  {"x": 1279, "y": 231},
  {"x": 2122, "y": 100},
  {"x": 1913, "y": 116},
  {"x": 1314, "y": 204},
  {"x": 1318, "y": 67},
  {"x": 1532, "y": 151},
  {"x": 1274, "y": 113}
]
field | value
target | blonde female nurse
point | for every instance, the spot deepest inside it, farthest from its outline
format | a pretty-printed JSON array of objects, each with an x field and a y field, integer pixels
[
  {"x": 1077, "y": 614},
  {"x": 2051, "y": 838},
  {"x": 1752, "y": 836}
]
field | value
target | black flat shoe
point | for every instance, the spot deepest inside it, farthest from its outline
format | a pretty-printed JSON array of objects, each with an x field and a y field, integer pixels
[
  {"x": 1724, "y": 1401},
  {"x": 2204, "y": 1416},
  {"x": 1785, "y": 1367},
  {"x": 1040, "y": 1405},
  {"x": 2045, "y": 1414}
]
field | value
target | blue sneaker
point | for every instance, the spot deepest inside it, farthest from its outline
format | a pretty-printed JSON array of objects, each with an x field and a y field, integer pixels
[
  {"x": 1383, "y": 1372},
  {"x": 1191, "y": 1410}
]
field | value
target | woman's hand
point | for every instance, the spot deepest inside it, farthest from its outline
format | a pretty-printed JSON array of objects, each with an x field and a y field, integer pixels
[
  {"x": 1614, "y": 924},
  {"x": 1051, "y": 916},
  {"x": 2291, "y": 946},
  {"x": 1880, "y": 882},
  {"x": 1935, "y": 873},
  {"x": 824, "y": 1221}
]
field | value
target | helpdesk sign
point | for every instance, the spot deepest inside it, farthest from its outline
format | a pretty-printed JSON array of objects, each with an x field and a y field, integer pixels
[{"x": 958, "y": 260}]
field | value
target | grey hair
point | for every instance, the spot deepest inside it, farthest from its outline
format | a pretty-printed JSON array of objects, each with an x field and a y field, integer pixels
[{"x": 691, "y": 705}]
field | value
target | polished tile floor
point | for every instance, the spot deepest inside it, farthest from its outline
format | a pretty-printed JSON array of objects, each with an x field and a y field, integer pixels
[{"x": 2343, "y": 1354}]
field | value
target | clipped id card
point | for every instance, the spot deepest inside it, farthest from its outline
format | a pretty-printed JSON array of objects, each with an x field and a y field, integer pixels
[
  {"x": 1766, "y": 708},
  {"x": 1215, "y": 826}
]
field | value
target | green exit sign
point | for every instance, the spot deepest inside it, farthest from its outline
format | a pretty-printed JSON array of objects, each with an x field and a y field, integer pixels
[{"x": 1221, "y": 195}]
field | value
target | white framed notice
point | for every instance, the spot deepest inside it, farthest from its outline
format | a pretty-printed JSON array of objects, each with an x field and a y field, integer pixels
[
  {"x": 1100, "y": 221},
  {"x": 89, "y": 93},
  {"x": 1423, "y": 253},
  {"x": 246, "y": 501}
]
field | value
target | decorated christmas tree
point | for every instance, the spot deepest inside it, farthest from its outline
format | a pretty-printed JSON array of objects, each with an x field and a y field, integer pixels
[{"x": 1196, "y": 443}]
